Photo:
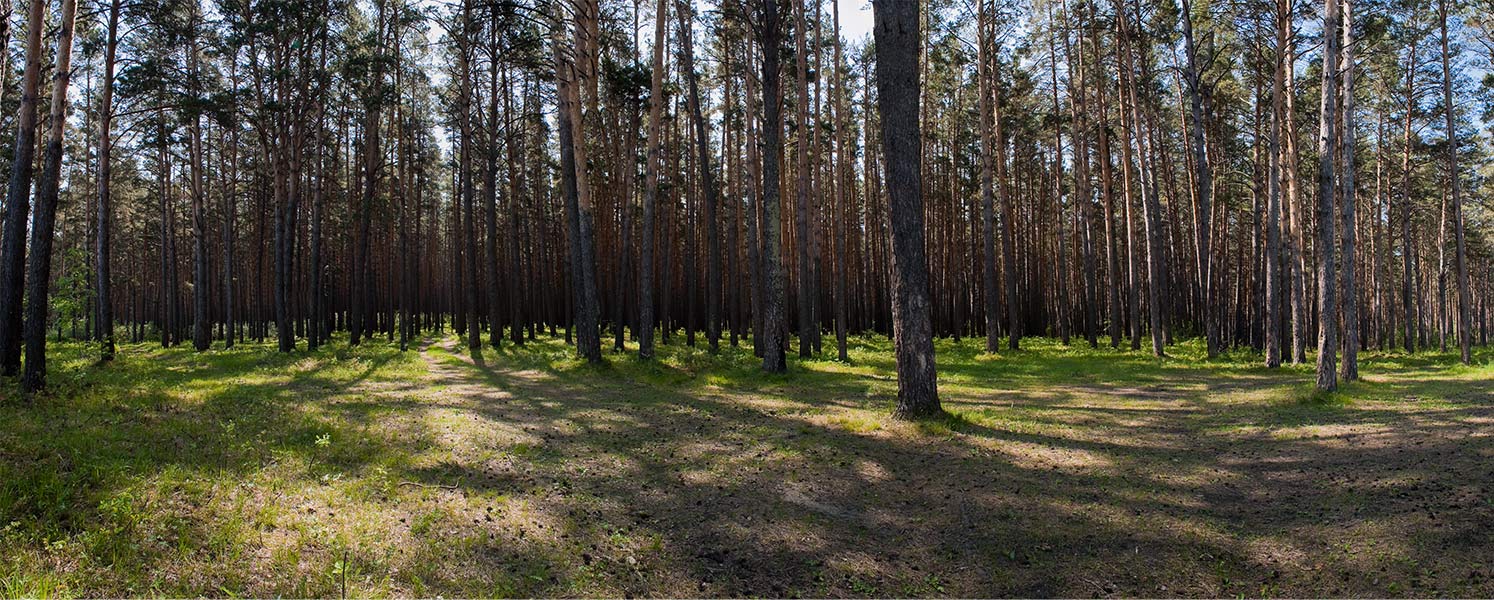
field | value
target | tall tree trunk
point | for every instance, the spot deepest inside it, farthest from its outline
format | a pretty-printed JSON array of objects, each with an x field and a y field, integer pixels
[
  {"x": 103, "y": 239},
  {"x": 651, "y": 188},
  {"x": 1273, "y": 195},
  {"x": 770, "y": 39},
  {"x": 1151, "y": 208},
  {"x": 897, "y": 34},
  {"x": 1107, "y": 192},
  {"x": 202, "y": 333},
  {"x": 1410, "y": 306},
  {"x": 1296, "y": 215},
  {"x": 490, "y": 208},
  {"x": 1347, "y": 191},
  {"x": 802, "y": 232},
  {"x": 707, "y": 178},
  {"x": 1203, "y": 184},
  {"x": 754, "y": 196},
  {"x": 1008, "y": 222},
  {"x": 515, "y": 175},
  {"x": 18, "y": 198},
  {"x": 572, "y": 75},
  {"x": 468, "y": 218},
  {"x": 1327, "y": 149},
  {"x": 842, "y": 187},
  {"x": 987, "y": 193},
  {"x": 44, "y": 222},
  {"x": 1465, "y": 302}
]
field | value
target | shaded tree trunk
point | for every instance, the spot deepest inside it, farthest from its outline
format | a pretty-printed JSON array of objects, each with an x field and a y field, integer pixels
[
  {"x": 44, "y": 222},
  {"x": 896, "y": 33},
  {"x": 18, "y": 198}
]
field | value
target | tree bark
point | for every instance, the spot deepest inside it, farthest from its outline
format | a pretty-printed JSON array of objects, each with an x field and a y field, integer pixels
[
  {"x": 1327, "y": 379},
  {"x": 18, "y": 198},
  {"x": 651, "y": 188},
  {"x": 44, "y": 222},
  {"x": 896, "y": 33},
  {"x": 770, "y": 39},
  {"x": 103, "y": 239},
  {"x": 1347, "y": 192},
  {"x": 1465, "y": 302},
  {"x": 707, "y": 179}
]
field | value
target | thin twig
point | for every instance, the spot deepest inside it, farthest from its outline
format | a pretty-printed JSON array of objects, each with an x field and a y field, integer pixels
[{"x": 429, "y": 485}]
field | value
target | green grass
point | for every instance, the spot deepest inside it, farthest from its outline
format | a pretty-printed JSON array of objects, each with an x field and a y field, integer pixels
[{"x": 372, "y": 472}]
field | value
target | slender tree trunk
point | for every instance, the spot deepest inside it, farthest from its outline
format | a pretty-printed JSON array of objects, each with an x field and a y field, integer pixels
[
  {"x": 707, "y": 178},
  {"x": 44, "y": 222},
  {"x": 572, "y": 75},
  {"x": 754, "y": 193},
  {"x": 1203, "y": 184},
  {"x": 1327, "y": 149},
  {"x": 802, "y": 232},
  {"x": 1292, "y": 205},
  {"x": 1273, "y": 195},
  {"x": 1465, "y": 302},
  {"x": 987, "y": 193},
  {"x": 1008, "y": 220},
  {"x": 467, "y": 218},
  {"x": 1107, "y": 192},
  {"x": 1347, "y": 192},
  {"x": 102, "y": 275},
  {"x": 490, "y": 208},
  {"x": 651, "y": 188},
  {"x": 842, "y": 187},
  {"x": 202, "y": 334},
  {"x": 515, "y": 175}
]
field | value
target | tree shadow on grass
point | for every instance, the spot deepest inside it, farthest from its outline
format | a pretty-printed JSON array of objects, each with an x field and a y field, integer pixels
[
  {"x": 100, "y": 463},
  {"x": 536, "y": 475},
  {"x": 753, "y": 494}
]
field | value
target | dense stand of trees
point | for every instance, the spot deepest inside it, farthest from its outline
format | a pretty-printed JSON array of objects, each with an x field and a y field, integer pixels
[{"x": 1101, "y": 171}]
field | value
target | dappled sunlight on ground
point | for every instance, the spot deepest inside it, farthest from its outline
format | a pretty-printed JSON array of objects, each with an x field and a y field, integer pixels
[{"x": 1059, "y": 471}]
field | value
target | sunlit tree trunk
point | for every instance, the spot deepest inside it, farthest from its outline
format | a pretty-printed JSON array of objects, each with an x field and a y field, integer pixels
[{"x": 1327, "y": 380}]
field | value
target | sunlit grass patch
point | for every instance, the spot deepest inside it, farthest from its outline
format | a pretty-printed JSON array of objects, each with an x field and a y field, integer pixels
[{"x": 379, "y": 473}]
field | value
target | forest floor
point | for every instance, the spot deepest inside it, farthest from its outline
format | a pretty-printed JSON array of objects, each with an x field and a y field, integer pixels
[{"x": 1061, "y": 471}]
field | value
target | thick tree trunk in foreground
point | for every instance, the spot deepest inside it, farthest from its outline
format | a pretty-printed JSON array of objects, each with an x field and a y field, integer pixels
[
  {"x": 18, "y": 198},
  {"x": 897, "y": 38},
  {"x": 770, "y": 38}
]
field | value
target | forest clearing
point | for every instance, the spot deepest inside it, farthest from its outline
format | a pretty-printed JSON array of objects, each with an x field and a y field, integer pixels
[
  {"x": 746, "y": 298},
  {"x": 1059, "y": 471}
]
